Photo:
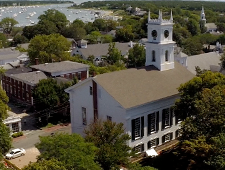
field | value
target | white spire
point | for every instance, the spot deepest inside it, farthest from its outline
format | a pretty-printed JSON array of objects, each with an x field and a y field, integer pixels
[
  {"x": 203, "y": 10},
  {"x": 160, "y": 15},
  {"x": 171, "y": 16},
  {"x": 149, "y": 17}
]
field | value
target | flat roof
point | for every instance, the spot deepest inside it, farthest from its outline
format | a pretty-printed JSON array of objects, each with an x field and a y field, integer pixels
[{"x": 59, "y": 66}]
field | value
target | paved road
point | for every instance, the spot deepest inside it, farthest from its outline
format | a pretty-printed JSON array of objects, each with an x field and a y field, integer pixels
[{"x": 29, "y": 140}]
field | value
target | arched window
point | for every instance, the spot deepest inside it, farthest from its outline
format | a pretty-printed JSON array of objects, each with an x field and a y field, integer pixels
[
  {"x": 166, "y": 56},
  {"x": 153, "y": 56}
]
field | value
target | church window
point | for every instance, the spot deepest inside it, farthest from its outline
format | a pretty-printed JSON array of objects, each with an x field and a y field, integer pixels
[
  {"x": 153, "y": 122},
  {"x": 167, "y": 118},
  {"x": 153, "y": 56},
  {"x": 153, "y": 143},
  {"x": 167, "y": 137},
  {"x": 166, "y": 56},
  {"x": 137, "y": 128}
]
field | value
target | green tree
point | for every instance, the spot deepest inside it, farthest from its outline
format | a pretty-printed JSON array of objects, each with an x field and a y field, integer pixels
[
  {"x": 191, "y": 91},
  {"x": 51, "y": 164},
  {"x": 114, "y": 55},
  {"x": 192, "y": 46},
  {"x": 46, "y": 27},
  {"x": 46, "y": 94},
  {"x": 74, "y": 32},
  {"x": 30, "y": 31},
  {"x": 19, "y": 39},
  {"x": 94, "y": 37},
  {"x": 56, "y": 17},
  {"x": 202, "y": 135},
  {"x": 193, "y": 27},
  {"x": 136, "y": 166},
  {"x": 48, "y": 47},
  {"x": 89, "y": 27},
  {"x": 136, "y": 57},
  {"x": 5, "y": 140},
  {"x": 124, "y": 34},
  {"x": 111, "y": 140},
  {"x": 71, "y": 150},
  {"x": 3, "y": 102},
  {"x": 7, "y": 24},
  {"x": 3, "y": 41},
  {"x": 100, "y": 24}
]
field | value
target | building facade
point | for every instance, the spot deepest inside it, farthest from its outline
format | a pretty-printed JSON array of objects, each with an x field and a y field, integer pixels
[{"x": 140, "y": 98}]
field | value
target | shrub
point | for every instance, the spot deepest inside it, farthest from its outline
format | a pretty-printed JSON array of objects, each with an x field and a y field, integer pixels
[{"x": 15, "y": 135}]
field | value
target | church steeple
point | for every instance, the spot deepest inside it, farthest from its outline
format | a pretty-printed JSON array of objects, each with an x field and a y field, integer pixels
[
  {"x": 171, "y": 16},
  {"x": 203, "y": 19},
  {"x": 160, "y": 45}
]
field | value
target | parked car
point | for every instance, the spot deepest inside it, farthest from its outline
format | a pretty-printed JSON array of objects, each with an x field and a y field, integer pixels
[{"x": 15, "y": 153}]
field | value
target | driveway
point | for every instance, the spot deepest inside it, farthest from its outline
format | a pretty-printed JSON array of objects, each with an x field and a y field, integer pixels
[{"x": 28, "y": 141}]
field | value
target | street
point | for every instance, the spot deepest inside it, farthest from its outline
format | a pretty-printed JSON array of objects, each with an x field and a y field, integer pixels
[{"x": 29, "y": 140}]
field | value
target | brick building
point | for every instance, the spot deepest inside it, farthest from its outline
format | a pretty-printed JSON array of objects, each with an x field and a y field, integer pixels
[{"x": 19, "y": 83}]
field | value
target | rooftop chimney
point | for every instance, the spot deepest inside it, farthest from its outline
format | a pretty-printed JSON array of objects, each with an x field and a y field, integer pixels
[{"x": 36, "y": 61}]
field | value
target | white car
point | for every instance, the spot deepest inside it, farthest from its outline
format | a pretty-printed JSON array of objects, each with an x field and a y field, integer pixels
[{"x": 15, "y": 153}]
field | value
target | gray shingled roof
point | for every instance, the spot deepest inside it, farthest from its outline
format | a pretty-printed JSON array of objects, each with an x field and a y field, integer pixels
[
  {"x": 18, "y": 70},
  {"x": 59, "y": 66},
  {"x": 8, "y": 53},
  {"x": 204, "y": 61},
  {"x": 102, "y": 49},
  {"x": 134, "y": 87},
  {"x": 210, "y": 26},
  {"x": 31, "y": 77}
]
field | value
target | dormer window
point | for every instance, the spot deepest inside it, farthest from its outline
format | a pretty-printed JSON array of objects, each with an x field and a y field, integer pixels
[
  {"x": 153, "y": 56},
  {"x": 166, "y": 56}
]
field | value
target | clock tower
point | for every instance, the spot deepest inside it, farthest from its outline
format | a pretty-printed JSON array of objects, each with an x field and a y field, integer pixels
[{"x": 160, "y": 45}]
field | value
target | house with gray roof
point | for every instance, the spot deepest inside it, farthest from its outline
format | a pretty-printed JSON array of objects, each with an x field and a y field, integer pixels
[
  {"x": 67, "y": 69},
  {"x": 99, "y": 50},
  {"x": 207, "y": 61},
  {"x": 10, "y": 55},
  {"x": 140, "y": 98}
]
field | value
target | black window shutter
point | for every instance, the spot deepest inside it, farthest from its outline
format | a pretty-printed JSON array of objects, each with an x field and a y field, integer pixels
[
  {"x": 176, "y": 119},
  {"x": 149, "y": 144},
  {"x": 142, "y": 126},
  {"x": 176, "y": 133},
  {"x": 132, "y": 129},
  {"x": 171, "y": 117},
  {"x": 157, "y": 121},
  {"x": 171, "y": 135},
  {"x": 142, "y": 147},
  {"x": 163, "y": 138},
  {"x": 149, "y": 124},
  {"x": 163, "y": 119},
  {"x": 157, "y": 141}
]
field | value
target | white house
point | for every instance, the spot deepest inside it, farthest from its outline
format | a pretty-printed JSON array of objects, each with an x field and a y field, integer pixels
[{"x": 140, "y": 98}]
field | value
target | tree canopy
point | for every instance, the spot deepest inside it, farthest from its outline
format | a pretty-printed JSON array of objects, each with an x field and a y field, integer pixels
[
  {"x": 136, "y": 57},
  {"x": 48, "y": 47},
  {"x": 202, "y": 107},
  {"x": 7, "y": 24},
  {"x": 48, "y": 94},
  {"x": 54, "y": 17},
  {"x": 111, "y": 140},
  {"x": 51, "y": 164},
  {"x": 71, "y": 150}
]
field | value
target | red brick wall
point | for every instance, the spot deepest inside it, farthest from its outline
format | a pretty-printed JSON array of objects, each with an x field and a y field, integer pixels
[{"x": 17, "y": 89}]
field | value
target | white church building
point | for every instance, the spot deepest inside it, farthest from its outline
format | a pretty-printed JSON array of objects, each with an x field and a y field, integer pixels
[{"x": 140, "y": 98}]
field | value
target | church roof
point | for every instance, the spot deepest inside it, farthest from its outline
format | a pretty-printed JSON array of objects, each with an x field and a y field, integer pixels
[
  {"x": 139, "y": 86},
  {"x": 207, "y": 61}
]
